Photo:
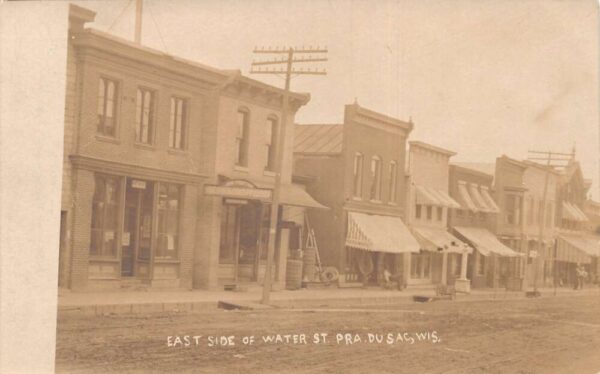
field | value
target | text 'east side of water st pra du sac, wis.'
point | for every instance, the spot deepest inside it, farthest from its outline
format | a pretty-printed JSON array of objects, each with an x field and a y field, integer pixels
[{"x": 340, "y": 338}]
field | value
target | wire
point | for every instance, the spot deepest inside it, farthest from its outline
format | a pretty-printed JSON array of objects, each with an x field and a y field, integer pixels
[
  {"x": 119, "y": 16},
  {"x": 157, "y": 28}
]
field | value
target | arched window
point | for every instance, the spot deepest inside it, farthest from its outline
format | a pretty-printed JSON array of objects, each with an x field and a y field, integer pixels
[
  {"x": 375, "y": 192},
  {"x": 358, "y": 171}
]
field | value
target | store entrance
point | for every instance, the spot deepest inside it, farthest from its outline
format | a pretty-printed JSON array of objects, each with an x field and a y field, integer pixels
[{"x": 137, "y": 228}]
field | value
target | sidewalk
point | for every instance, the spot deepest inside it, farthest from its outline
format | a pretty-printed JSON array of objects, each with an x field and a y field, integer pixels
[{"x": 99, "y": 303}]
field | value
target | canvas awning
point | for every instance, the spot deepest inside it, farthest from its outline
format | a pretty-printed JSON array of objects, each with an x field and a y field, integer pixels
[
  {"x": 466, "y": 197},
  {"x": 432, "y": 196},
  {"x": 572, "y": 212},
  {"x": 576, "y": 249},
  {"x": 293, "y": 195},
  {"x": 490, "y": 201},
  {"x": 485, "y": 241},
  {"x": 439, "y": 240},
  {"x": 378, "y": 233},
  {"x": 478, "y": 199}
]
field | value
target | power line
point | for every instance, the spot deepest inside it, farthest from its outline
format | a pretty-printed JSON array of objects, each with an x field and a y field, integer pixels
[{"x": 120, "y": 14}]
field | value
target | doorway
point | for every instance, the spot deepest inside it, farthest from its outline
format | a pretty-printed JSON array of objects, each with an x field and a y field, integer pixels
[{"x": 137, "y": 228}]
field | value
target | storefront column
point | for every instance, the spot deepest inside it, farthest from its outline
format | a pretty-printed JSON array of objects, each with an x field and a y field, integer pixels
[
  {"x": 463, "y": 284},
  {"x": 81, "y": 222},
  {"x": 206, "y": 247},
  {"x": 444, "y": 268},
  {"x": 405, "y": 268}
]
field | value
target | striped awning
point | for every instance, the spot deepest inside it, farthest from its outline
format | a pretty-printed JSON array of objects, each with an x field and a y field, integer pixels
[
  {"x": 432, "y": 196},
  {"x": 576, "y": 249},
  {"x": 572, "y": 212},
  {"x": 465, "y": 197},
  {"x": 439, "y": 240},
  {"x": 490, "y": 201},
  {"x": 378, "y": 233},
  {"x": 485, "y": 241}
]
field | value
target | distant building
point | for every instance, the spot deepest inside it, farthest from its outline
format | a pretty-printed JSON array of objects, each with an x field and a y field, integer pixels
[{"x": 358, "y": 170}]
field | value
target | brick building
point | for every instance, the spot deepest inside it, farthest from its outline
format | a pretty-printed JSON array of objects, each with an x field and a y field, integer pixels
[
  {"x": 145, "y": 132},
  {"x": 357, "y": 170}
]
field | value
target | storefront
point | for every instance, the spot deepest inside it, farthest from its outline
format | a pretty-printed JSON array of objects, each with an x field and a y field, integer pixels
[{"x": 573, "y": 249}]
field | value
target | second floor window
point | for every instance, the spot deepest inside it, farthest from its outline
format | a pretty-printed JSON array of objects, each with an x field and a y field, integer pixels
[
  {"x": 358, "y": 171},
  {"x": 144, "y": 116},
  {"x": 177, "y": 125},
  {"x": 440, "y": 213},
  {"x": 375, "y": 192},
  {"x": 513, "y": 209},
  {"x": 393, "y": 178},
  {"x": 241, "y": 138},
  {"x": 418, "y": 209},
  {"x": 107, "y": 107},
  {"x": 271, "y": 144}
]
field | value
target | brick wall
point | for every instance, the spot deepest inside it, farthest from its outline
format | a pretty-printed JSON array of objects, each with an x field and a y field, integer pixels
[{"x": 81, "y": 227}]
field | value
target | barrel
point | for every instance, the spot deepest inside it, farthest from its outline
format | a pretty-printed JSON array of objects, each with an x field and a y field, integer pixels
[
  {"x": 309, "y": 260},
  {"x": 293, "y": 275}
]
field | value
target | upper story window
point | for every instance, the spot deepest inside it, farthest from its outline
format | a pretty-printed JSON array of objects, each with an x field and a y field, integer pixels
[
  {"x": 107, "y": 107},
  {"x": 177, "y": 124},
  {"x": 271, "y": 143},
  {"x": 418, "y": 212},
  {"x": 358, "y": 172},
  {"x": 242, "y": 137},
  {"x": 530, "y": 209},
  {"x": 549, "y": 214},
  {"x": 375, "y": 192},
  {"x": 429, "y": 212},
  {"x": 440, "y": 213},
  {"x": 512, "y": 209},
  {"x": 105, "y": 208},
  {"x": 144, "y": 116},
  {"x": 393, "y": 178}
]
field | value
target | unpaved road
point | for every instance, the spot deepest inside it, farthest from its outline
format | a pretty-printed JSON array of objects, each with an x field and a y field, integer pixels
[{"x": 548, "y": 335}]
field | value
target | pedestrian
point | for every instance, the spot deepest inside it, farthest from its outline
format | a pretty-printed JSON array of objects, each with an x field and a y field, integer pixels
[{"x": 581, "y": 274}]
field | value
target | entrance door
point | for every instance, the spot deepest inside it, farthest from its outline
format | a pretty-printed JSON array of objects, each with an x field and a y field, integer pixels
[{"x": 137, "y": 228}]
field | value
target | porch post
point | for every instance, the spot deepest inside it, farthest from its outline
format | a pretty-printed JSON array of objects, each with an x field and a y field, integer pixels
[
  {"x": 445, "y": 268},
  {"x": 463, "y": 265}
]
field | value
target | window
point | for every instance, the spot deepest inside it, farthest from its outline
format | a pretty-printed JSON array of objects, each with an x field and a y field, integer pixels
[
  {"x": 107, "y": 95},
  {"x": 429, "y": 213},
  {"x": 440, "y": 212},
  {"x": 512, "y": 206},
  {"x": 480, "y": 264},
  {"x": 375, "y": 192},
  {"x": 540, "y": 212},
  {"x": 241, "y": 138},
  {"x": 169, "y": 202},
  {"x": 144, "y": 116},
  {"x": 418, "y": 211},
  {"x": 530, "y": 209},
  {"x": 393, "y": 177},
  {"x": 420, "y": 264},
  {"x": 549, "y": 215},
  {"x": 271, "y": 143},
  {"x": 105, "y": 217},
  {"x": 358, "y": 171},
  {"x": 177, "y": 125}
]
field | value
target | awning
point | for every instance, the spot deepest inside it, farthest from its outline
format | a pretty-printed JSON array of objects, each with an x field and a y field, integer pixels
[
  {"x": 490, "y": 201},
  {"x": 439, "y": 240},
  {"x": 432, "y": 196},
  {"x": 465, "y": 197},
  {"x": 293, "y": 195},
  {"x": 379, "y": 234},
  {"x": 572, "y": 212},
  {"x": 485, "y": 242},
  {"x": 478, "y": 199},
  {"x": 576, "y": 249}
]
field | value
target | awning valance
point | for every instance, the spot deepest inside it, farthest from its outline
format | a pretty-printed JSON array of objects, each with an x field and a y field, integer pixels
[
  {"x": 575, "y": 249},
  {"x": 439, "y": 240},
  {"x": 485, "y": 241},
  {"x": 432, "y": 196},
  {"x": 378, "y": 233}
]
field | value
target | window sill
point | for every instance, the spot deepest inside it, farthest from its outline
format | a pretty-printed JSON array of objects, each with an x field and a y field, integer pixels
[
  {"x": 149, "y": 147},
  {"x": 243, "y": 169},
  {"x": 269, "y": 173},
  {"x": 178, "y": 152},
  {"x": 108, "y": 139}
]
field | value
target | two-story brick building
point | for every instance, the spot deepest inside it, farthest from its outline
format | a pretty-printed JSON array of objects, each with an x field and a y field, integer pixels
[
  {"x": 145, "y": 132},
  {"x": 472, "y": 186},
  {"x": 358, "y": 170}
]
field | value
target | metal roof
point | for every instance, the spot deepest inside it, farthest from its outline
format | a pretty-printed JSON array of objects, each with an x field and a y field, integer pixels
[{"x": 318, "y": 139}]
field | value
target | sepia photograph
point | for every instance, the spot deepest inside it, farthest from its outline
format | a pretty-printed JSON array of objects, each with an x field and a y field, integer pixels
[{"x": 341, "y": 186}]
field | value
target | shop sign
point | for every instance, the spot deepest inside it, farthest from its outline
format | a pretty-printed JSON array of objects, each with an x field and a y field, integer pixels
[
  {"x": 238, "y": 192},
  {"x": 141, "y": 185}
]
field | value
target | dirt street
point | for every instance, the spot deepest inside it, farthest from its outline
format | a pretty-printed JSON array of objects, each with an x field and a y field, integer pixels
[{"x": 547, "y": 335}]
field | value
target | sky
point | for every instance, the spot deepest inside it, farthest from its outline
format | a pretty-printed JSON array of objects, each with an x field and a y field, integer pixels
[{"x": 481, "y": 78}]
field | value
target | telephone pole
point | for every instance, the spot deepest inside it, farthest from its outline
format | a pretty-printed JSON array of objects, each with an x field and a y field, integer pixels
[
  {"x": 282, "y": 66},
  {"x": 552, "y": 159}
]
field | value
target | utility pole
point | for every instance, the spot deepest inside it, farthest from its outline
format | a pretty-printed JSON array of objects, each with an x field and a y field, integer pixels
[
  {"x": 139, "y": 4},
  {"x": 549, "y": 157},
  {"x": 285, "y": 66}
]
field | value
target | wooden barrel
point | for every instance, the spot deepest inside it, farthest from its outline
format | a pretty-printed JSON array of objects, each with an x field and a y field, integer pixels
[
  {"x": 309, "y": 262},
  {"x": 293, "y": 274}
]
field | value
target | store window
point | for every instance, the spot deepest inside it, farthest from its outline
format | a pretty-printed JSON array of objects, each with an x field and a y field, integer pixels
[
  {"x": 169, "y": 204},
  {"x": 242, "y": 138},
  {"x": 105, "y": 216},
  {"x": 271, "y": 143},
  {"x": 393, "y": 179},
  {"x": 177, "y": 124},
  {"x": 375, "y": 192},
  {"x": 420, "y": 265},
  {"x": 144, "y": 116},
  {"x": 358, "y": 172},
  {"x": 107, "y": 107}
]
